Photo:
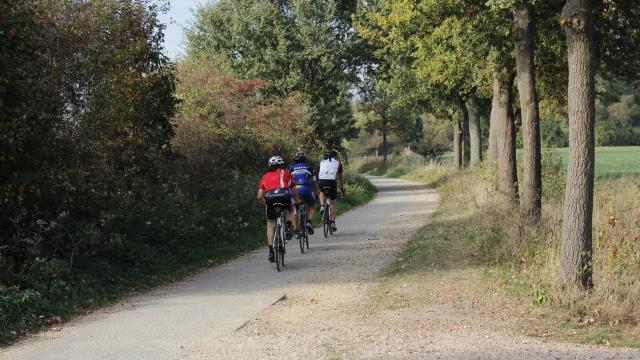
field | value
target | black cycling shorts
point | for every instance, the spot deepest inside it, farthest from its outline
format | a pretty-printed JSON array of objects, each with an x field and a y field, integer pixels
[
  {"x": 330, "y": 186},
  {"x": 276, "y": 201}
]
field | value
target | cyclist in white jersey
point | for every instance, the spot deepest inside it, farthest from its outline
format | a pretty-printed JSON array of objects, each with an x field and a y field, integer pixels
[{"x": 328, "y": 176}]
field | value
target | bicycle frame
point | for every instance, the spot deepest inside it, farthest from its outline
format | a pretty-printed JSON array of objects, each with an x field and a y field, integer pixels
[
  {"x": 279, "y": 244},
  {"x": 326, "y": 214},
  {"x": 302, "y": 225}
]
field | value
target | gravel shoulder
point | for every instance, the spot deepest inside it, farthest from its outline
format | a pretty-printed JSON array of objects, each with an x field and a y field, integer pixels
[{"x": 331, "y": 303}]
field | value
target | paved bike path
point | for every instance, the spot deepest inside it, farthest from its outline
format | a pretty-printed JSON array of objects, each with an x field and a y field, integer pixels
[{"x": 164, "y": 323}]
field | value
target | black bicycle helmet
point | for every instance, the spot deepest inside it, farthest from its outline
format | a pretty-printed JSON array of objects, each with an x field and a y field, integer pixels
[{"x": 299, "y": 156}]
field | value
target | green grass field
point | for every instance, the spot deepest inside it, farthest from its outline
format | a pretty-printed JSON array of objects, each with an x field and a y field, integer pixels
[
  {"x": 615, "y": 160},
  {"x": 610, "y": 161}
]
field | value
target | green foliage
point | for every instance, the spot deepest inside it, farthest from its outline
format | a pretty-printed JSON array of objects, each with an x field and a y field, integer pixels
[
  {"x": 553, "y": 132},
  {"x": 617, "y": 117},
  {"x": 553, "y": 176},
  {"x": 105, "y": 193},
  {"x": 618, "y": 114},
  {"x": 302, "y": 46},
  {"x": 359, "y": 191},
  {"x": 225, "y": 121},
  {"x": 86, "y": 102}
]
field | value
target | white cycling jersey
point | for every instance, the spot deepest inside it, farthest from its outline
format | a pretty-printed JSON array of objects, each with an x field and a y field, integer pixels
[{"x": 329, "y": 169}]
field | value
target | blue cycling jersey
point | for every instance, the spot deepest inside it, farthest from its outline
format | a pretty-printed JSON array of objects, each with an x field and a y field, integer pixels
[{"x": 302, "y": 173}]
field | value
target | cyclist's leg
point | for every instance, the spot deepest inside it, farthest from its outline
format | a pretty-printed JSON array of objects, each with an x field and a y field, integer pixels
[
  {"x": 306, "y": 194},
  {"x": 271, "y": 216},
  {"x": 322, "y": 198},
  {"x": 334, "y": 210},
  {"x": 333, "y": 195},
  {"x": 310, "y": 201},
  {"x": 271, "y": 226},
  {"x": 291, "y": 215},
  {"x": 311, "y": 212}
]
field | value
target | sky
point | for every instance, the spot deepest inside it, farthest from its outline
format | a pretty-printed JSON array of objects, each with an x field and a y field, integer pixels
[{"x": 179, "y": 16}]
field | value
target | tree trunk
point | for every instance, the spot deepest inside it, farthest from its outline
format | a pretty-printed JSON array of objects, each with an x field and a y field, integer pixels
[
  {"x": 475, "y": 137},
  {"x": 466, "y": 148},
  {"x": 523, "y": 35},
  {"x": 492, "y": 153},
  {"x": 505, "y": 132},
  {"x": 384, "y": 146},
  {"x": 575, "y": 245},
  {"x": 457, "y": 142}
]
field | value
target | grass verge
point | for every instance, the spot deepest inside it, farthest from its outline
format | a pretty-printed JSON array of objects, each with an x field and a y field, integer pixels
[{"x": 476, "y": 231}]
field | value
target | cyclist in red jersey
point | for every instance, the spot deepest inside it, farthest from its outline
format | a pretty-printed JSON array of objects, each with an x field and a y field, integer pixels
[{"x": 274, "y": 188}]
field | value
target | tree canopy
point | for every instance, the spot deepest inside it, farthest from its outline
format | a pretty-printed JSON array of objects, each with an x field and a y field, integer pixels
[{"x": 300, "y": 45}]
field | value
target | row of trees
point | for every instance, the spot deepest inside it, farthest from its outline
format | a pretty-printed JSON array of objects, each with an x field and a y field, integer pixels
[{"x": 449, "y": 57}]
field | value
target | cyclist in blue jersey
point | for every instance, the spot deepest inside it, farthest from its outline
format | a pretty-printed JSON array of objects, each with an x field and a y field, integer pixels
[{"x": 305, "y": 179}]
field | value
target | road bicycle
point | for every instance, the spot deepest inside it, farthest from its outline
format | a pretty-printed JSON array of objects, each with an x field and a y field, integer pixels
[
  {"x": 303, "y": 232},
  {"x": 279, "y": 245},
  {"x": 326, "y": 212}
]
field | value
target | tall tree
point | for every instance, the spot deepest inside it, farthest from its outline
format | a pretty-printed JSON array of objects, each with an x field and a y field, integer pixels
[
  {"x": 575, "y": 245},
  {"x": 466, "y": 141},
  {"x": 506, "y": 133},
  {"x": 383, "y": 115},
  {"x": 523, "y": 39},
  {"x": 475, "y": 134},
  {"x": 492, "y": 152}
]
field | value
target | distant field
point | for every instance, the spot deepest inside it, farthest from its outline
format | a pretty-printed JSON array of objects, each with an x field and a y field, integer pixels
[
  {"x": 614, "y": 160},
  {"x": 610, "y": 161}
]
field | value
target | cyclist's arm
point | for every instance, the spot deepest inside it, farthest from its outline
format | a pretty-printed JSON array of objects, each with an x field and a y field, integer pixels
[
  {"x": 293, "y": 186},
  {"x": 314, "y": 182},
  {"x": 260, "y": 197},
  {"x": 340, "y": 170},
  {"x": 315, "y": 186}
]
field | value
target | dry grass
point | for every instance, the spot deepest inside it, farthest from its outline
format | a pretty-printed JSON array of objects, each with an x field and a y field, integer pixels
[{"x": 525, "y": 256}]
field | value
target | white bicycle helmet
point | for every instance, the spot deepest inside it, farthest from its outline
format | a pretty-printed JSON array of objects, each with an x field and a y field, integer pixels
[{"x": 276, "y": 161}]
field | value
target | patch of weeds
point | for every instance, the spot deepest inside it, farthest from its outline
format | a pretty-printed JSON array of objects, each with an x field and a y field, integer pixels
[{"x": 396, "y": 172}]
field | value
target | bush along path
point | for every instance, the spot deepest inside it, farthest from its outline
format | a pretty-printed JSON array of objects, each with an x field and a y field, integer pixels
[
  {"x": 24, "y": 312},
  {"x": 197, "y": 318}
]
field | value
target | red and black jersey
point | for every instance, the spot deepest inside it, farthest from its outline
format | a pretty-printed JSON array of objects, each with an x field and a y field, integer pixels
[{"x": 276, "y": 179}]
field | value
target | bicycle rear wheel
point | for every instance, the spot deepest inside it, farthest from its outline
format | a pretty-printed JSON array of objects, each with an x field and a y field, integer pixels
[
  {"x": 282, "y": 246},
  {"x": 276, "y": 245},
  {"x": 325, "y": 222},
  {"x": 306, "y": 229},
  {"x": 302, "y": 228}
]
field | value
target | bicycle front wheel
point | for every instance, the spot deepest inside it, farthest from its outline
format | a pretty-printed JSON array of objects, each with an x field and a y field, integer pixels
[
  {"x": 325, "y": 221},
  {"x": 301, "y": 239}
]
